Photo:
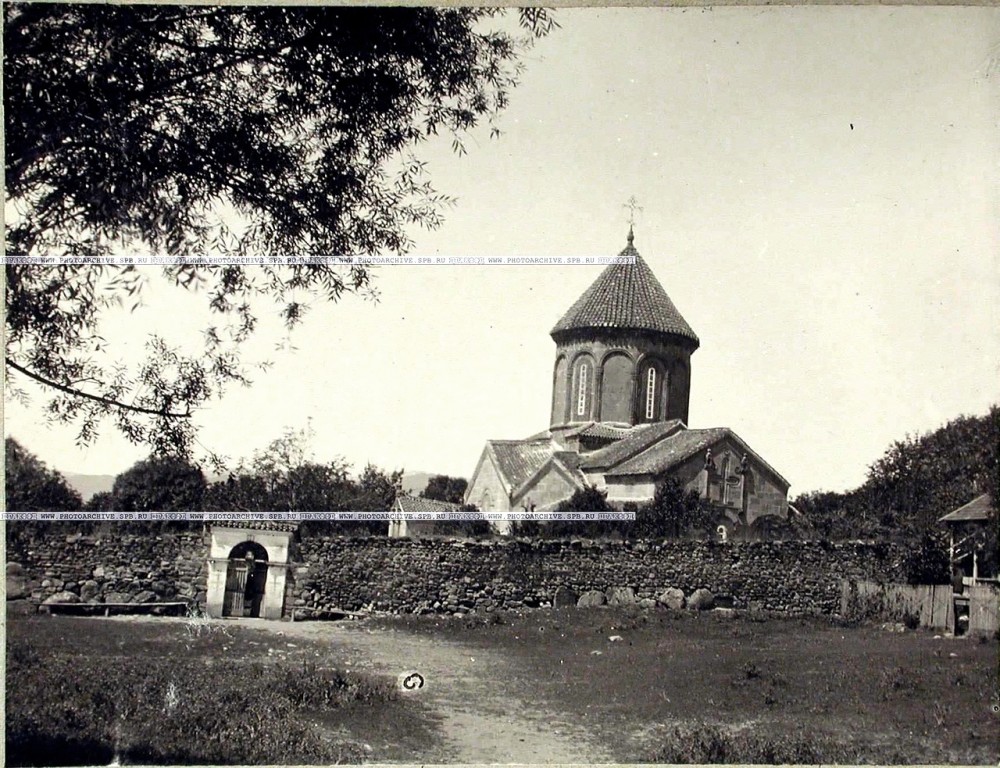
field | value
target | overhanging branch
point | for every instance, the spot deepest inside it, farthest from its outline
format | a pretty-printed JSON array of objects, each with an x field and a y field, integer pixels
[{"x": 96, "y": 398}]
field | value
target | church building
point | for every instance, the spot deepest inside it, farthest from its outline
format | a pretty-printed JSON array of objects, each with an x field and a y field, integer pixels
[{"x": 619, "y": 421}]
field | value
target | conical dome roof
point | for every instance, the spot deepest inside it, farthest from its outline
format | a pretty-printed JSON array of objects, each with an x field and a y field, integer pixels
[{"x": 628, "y": 297}]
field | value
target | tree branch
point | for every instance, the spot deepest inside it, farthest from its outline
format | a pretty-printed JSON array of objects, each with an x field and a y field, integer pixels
[{"x": 95, "y": 398}]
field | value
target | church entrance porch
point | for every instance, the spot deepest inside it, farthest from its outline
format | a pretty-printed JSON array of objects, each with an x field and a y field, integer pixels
[{"x": 248, "y": 569}]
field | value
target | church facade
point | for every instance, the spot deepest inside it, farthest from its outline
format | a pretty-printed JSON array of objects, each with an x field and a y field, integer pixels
[{"x": 620, "y": 395}]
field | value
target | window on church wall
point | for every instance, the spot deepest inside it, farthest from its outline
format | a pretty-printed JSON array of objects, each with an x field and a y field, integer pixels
[
  {"x": 651, "y": 393},
  {"x": 726, "y": 486},
  {"x": 581, "y": 394},
  {"x": 652, "y": 405}
]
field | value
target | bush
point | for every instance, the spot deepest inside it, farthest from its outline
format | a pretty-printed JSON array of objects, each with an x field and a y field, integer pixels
[{"x": 927, "y": 561}]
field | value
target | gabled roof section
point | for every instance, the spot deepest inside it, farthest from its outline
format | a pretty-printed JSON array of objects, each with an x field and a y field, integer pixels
[
  {"x": 636, "y": 440},
  {"x": 626, "y": 296},
  {"x": 681, "y": 446},
  {"x": 565, "y": 462},
  {"x": 670, "y": 451},
  {"x": 599, "y": 429},
  {"x": 519, "y": 460},
  {"x": 980, "y": 508}
]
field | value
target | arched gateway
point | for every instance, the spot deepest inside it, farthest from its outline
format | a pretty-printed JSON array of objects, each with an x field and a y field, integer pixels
[
  {"x": 246, "y": 580},
  {"x": 248, "y": 569}
]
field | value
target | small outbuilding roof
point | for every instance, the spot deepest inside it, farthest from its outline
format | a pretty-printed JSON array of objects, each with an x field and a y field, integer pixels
[
  {"x": 255, "y": 525},
  {"x": 980, "y": 508},
  {"x": 413, "y": 504}
]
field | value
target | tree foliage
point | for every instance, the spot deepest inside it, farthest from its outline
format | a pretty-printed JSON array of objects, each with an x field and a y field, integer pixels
[
  {"x": 916, "y": 481},
  {"x": 672, "y": 513},
  {"x": 230, "y": 130},
  {"x": 132, "y": 123},
  {"x": 445, "y": 488},
  {"x": 159, "y": 484},
  {"x": 284, "y": 477},
  {"x": 474, "y": 527},
  {"x": 31, "y": 486}
]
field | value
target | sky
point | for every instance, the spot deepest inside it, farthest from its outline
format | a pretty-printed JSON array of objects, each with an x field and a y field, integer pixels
[{"x": 819, "y": 199}]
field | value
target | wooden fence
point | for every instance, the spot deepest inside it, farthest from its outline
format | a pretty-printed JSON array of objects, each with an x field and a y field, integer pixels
[{"x": 934, "y": 604}]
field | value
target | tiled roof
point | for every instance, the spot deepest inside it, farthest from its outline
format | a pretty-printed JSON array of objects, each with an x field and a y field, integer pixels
[
  {"x": 637, "y": 439},
  {"x": 626, "y": 296},
  {"x": 254, "y": 525},
  {"x": 519, "y": 460},
  {"x": 980, "y": 508},
  {"x": 674, "y": 449},
  {"x": 670, "y": 451},
  {"x": 419, "y": 504},
  {"x": 605, "y": 430}
]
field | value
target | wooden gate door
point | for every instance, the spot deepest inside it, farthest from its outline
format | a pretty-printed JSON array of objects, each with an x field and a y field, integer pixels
[{"x": 236, "y": 588}]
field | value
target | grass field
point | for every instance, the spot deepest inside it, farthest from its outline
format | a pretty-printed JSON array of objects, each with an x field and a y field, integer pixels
[
  {"x": 85, "y": 691},
  {"x": 676, "y": 687},
  {"x": 689, "y": 687}
]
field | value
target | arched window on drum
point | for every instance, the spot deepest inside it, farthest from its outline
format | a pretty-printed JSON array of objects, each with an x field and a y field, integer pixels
[
  {"x": 652, "y": 405},
  {"x": 583, "y": 389}
]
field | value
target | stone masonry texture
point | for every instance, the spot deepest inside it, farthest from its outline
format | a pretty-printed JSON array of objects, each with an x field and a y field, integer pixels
[{"x": 457, "y": 576}]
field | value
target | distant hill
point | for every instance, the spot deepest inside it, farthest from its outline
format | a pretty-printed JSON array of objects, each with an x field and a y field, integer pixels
[
  {"x": 88, "y": 485},
  {"x": 415, "y": 482}
]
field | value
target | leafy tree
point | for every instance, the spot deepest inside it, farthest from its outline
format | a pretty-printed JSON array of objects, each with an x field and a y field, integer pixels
[
  {"x": 589, "y": 499},
  {"x": 928, "y": 562},
  {"x": 102, "y": 501},
  {"x": 145, "y": 127},
  {"x": 445, "y": 488},
  {"x": 285, "y": 477},
  {"x": 917, "y": 480},
  {"x": 31, "y": 486},
  {"x": 377, "y": 489},
  {"x": 159, "y": 484},
  {"x": 673, "y": 512},
  {"x": 475, "y": 527}
]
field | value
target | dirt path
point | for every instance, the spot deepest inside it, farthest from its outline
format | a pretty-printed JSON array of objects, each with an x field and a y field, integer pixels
[
  {"x": 483, "y": 719},
  {"x": 486, "y": 714}
]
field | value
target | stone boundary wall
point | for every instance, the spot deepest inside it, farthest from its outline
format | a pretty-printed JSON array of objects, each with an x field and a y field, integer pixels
[
  {"x": 448, "y": 576},
  {"x": 452, "y": 576},
  {"x": 108, "y": 567}
]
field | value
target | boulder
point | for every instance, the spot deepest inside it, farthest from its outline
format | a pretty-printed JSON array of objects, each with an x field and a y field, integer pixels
[
  {"x": 591, "y": 598},
  {"x": 672, "y": 598},
  {"x": 62, "y": 597},
  {"x": 701, "y": 600},
  {"x": 118, "y": 597},
  {"x": 647, "y": 603},
  {"x": 89, "y": 590},
  {"x": 17, "y": 586},
  {"x": 15, "y": 569},
  {"x": 564, "y": 597},
  {"x": 146, "y": 596},
  {"x": 621, "y": 596}
]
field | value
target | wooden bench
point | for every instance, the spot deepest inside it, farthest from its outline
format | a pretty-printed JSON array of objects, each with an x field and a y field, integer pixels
[{"x": 91, "y": 609}]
